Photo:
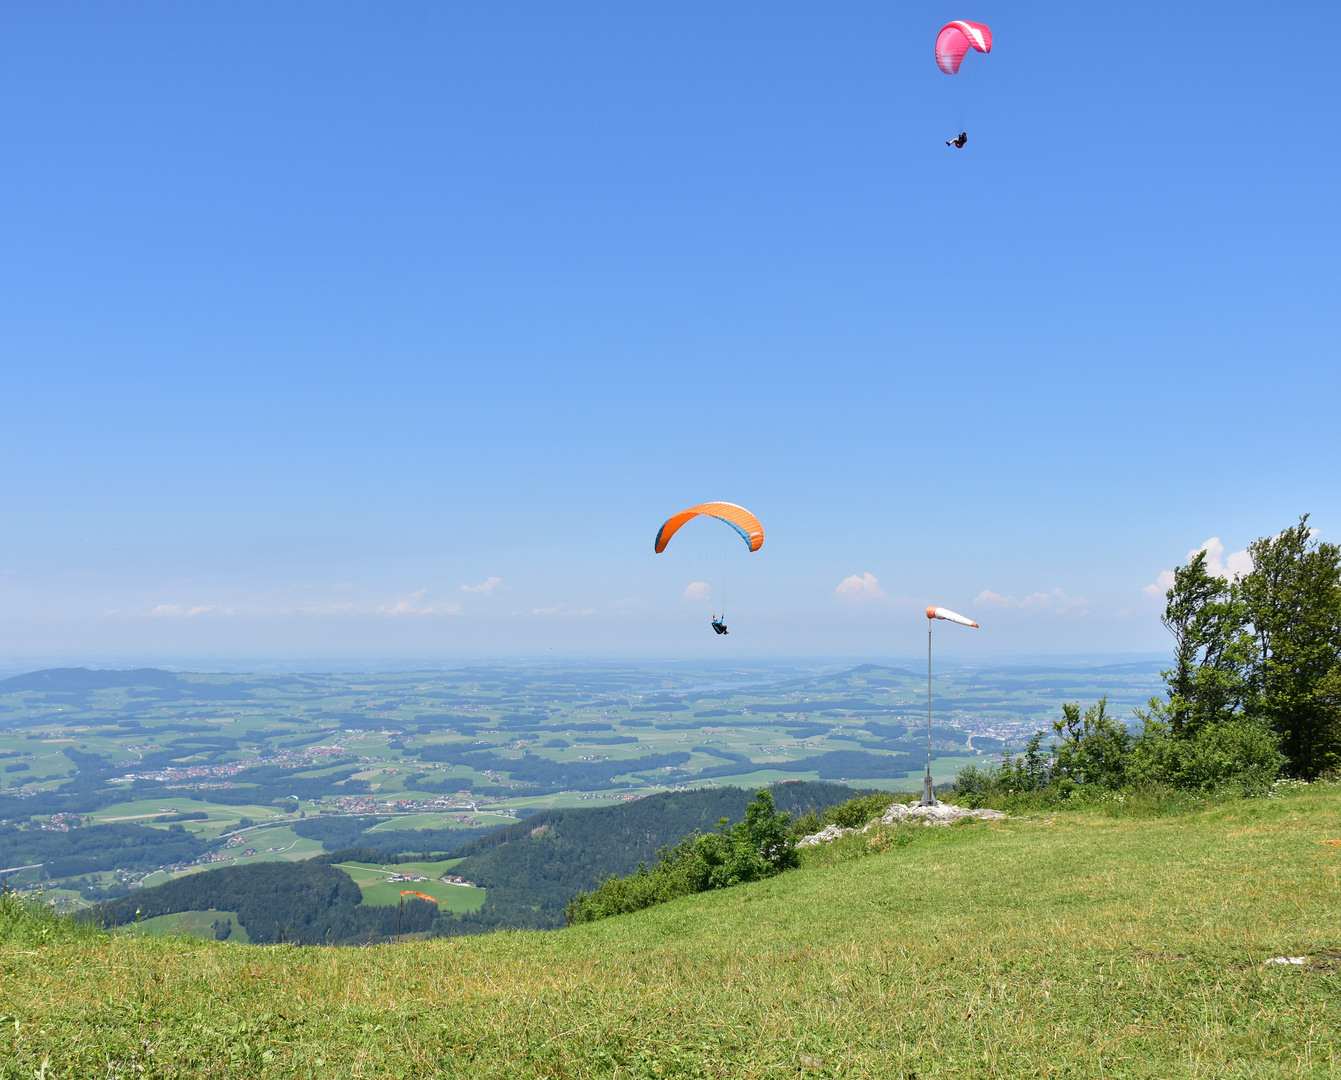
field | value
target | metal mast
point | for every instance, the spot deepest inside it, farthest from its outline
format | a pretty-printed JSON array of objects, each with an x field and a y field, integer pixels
[{"x": 928, "y": 796}]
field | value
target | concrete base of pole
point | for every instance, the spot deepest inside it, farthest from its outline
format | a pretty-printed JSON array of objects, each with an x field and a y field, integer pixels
[{"x": 928, "y": 796}]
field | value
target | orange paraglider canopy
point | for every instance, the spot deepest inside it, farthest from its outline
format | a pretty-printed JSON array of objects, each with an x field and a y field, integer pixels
[
  {"x": 737, "y": 517},
  {"x": 422, "y": 896}
]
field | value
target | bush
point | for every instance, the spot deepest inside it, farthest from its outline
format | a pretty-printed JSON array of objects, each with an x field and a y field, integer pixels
[
  {"x": 1241, "y": 755},
  {"x": 855, "y": 813},
  {"x": 1094, "y": 748},
  {"x": 1098, "y": 756}
]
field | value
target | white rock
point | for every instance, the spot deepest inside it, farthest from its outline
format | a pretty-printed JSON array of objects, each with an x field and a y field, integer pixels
[
  {"x": 940, "y": 814},
  {"x": 826, "y": 835}
]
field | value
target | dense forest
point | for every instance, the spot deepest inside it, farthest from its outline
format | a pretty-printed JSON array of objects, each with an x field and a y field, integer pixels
[
  {"x": 97, "y": 847},
  {"x": 308, "y": 902}
]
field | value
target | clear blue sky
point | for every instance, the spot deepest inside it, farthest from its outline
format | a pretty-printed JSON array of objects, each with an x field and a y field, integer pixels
[{"x": 312, "y": 314}]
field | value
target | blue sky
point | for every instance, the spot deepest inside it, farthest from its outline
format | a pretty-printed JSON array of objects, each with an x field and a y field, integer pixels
[{"x": 311, "y": 316}]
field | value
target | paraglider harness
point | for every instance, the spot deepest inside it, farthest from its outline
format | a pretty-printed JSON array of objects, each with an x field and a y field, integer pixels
[
  {"x": 959, "y": 142},
  {"x": 720, "y": 625}
]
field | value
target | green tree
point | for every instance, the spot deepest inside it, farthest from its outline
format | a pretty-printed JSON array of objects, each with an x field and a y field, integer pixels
[
  {"x": 1209, "y": 681},
  {"x": 1029, "y": 771},
  {"x": 1094, "y": 746},
  {"x": 1292, "y": 598}
]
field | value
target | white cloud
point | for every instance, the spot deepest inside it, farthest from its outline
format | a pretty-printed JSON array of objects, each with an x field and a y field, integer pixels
[
  {"x": 697, "y": 590},
  {"x": 1230, "y": 568},
  {"x": 177, "y": 611},
  {"x": 558, "y": 609},
  {"x": 1162, "y": 584},
  {"x": 414, "y": 605},
  {"x": 1054, "y": 601},
  {"x": 859, "y": 588},
  {"x": 489, "y": 586}
]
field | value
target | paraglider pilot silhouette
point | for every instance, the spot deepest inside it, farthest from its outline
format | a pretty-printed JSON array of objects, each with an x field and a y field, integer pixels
[
  {"x": 720, "y": 625},
  {"x": 959, "y": 142}
]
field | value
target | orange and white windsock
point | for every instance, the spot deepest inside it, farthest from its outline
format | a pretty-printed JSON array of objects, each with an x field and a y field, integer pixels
[{"x": 949, "y": 616}]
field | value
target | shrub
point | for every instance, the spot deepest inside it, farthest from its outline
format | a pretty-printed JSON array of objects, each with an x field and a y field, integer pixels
[
  {"x": 1240, "y": 754},
  {"x": 855, "y": 813},
  {"x": 1094, "y": 748}
]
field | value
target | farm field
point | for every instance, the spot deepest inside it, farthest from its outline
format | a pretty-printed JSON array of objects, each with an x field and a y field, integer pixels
[
  {"x": 1080, "y": 944},
  {"x": 230, "y": 769},
  {"x": 196, "y": 924},
  {"x": 379, "y": 892}
]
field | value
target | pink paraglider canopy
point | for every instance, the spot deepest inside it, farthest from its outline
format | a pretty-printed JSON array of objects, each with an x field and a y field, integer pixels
[{"x": 955, "y": 40}]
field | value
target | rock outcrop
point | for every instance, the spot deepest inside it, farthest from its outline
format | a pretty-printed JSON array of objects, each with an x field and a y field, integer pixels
[{"x": 899, "y": 813}]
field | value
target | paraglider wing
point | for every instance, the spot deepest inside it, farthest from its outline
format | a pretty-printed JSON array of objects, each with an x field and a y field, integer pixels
[
  {"x": 410, "y": 892},
  {"x": 949, "y": 616},
  {"x": 955, "y": 40},
  {"x": 737, "y": 517}
]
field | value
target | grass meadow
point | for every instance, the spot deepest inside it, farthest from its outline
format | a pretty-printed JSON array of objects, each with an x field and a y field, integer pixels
[{"x": 1075, "y": 945}]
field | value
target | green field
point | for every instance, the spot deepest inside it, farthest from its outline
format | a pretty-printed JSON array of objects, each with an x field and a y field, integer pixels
[
  {"x": 1076, "y": 945},
  {"x": 439, "y": 821},
  {"x": 378, "y": 892},
  {"x": 221, "y": 819},
  {"x": 197, "y": 924}
]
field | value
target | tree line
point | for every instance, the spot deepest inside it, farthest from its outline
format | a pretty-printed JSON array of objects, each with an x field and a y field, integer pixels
[{"x": 1254, "y": 692}]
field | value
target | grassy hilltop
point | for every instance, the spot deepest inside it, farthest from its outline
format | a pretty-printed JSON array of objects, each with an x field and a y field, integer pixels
[{"x": 1083, "y": 944}]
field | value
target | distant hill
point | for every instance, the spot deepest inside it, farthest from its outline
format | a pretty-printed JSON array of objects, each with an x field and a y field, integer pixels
[
  {"x": 82, "y": 680},
  {"x": 75, "y": 684},
  {"x": 533, "y": 868}
]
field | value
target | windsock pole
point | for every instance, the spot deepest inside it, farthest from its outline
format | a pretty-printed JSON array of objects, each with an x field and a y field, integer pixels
[
  {"x": 934, "y": 613},
  {"x": 928, "y": 796}
]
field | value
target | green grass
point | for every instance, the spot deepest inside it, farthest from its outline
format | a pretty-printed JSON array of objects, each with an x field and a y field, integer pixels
[
  {"x": 1071, "y": 945},
  {"x": 196, "y": 924}
]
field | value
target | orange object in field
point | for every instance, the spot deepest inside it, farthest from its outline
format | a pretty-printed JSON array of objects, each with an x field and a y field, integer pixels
[
  {"x": 410, "y": 892},
  {"x": 737, "y": 517}
]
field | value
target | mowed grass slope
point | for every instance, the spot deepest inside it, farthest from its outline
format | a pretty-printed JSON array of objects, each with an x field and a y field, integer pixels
[{"x": 1090, "y": 946}]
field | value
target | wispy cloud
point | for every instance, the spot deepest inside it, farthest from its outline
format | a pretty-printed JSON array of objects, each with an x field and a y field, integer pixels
[
  {"x": 414, "y": 605},
  {"x": 327, "y": 609},
  {"x": 559, "y": 609},
  {"x": 179, "y": 611},
  {"x": 489, "y": 585},
  {"x": 697, "y": 590},
  {"x": 1054, "y": 602},
  {"x": 1230, "y": 568},
  {"x": 859, "y": 588}
]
